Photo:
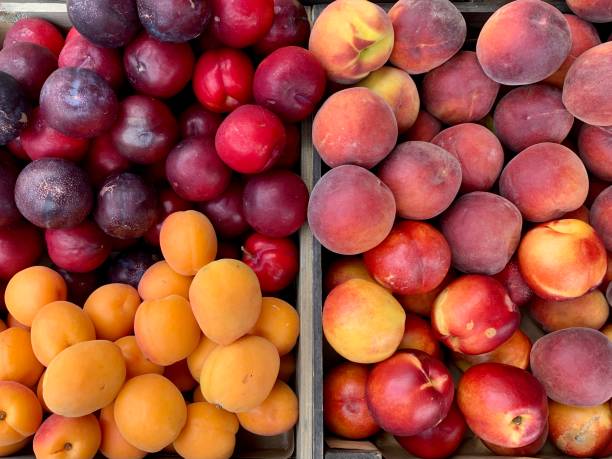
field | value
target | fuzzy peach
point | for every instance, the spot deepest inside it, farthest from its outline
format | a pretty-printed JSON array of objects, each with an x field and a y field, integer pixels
[
  {"x": 601, "y": 216},
  {"x": 592, "y": 10},
  {"x": 595, "y": 148},
  {"x": 425, "y": 128}
]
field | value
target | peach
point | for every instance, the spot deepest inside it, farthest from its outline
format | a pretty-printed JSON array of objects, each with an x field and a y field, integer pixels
[
  {"x": 523, "y": 42},
  {"x": 423, "y": 178},
  {"x": 580, "y": 431},
  {"x": 240, "y": 376},
  {"x": 150, "y": 412},
  {"x": 135, "y": 361},
  {"x": 425, "y": 128},
  {"x": 67, "y": 438},
  {"x": 342, "y": 269},
  {"x": 419, "y": 335},
  {"x": 178, "y": 373},
  {"x": 226, "y": 300},
  {"x": 20, "y": 413},
  {"x": 581, "y": 213},
  {"x": 502, "y": 404},
  {"x": 350, "y": 210},
  {"x": 595, "y": 148},
  {"x": 367, "y": 134},
  {"x": 530, "y": 450},
  {"x": 362, "y": 321},
  {"x": 209, "y": 433},
  {"x": 397, "y": 88},
  {"x": 474, "y": 315},
  {"x": 562, "y": 259},
  {"x": 514, "y": 351},
  {"x": 413, "y": 259},
  {"x": 188, "y": 241},
  {"x": 166, "y": 330},
  {"x": 17, "y": 360},
  {"x": 601, "y": 216},
  {"x": 32, "y": 288},
  {"x": 545, "y": 181},
  {"x": 479, "y": 152},
  {"x": 559, "y": 357},
  {"x": 512, "y": 279},
  {"x": 585, "y": 93},
  {"x": 83, "y": 378},
  {"x": 345, "y": 408},
  {"x": 409, "y": 393},
  {"x": 459, "y": 91},
  {"x": 160, "y": 281},
  {"x": 276, "y": 415},
  {"x": 607, "y": 330},
  {"x": 362, "y": 35},
  {"x": 531, "y": 114},
  {"x": 113, "y": 445},
  {"x": 8, "y": 450},
  {"x": 590, "y": 311},
  {"x": 427, "y": 33},
  {"x": 112, "y": 308},
  {"x": 287, "y": 367},
  {"x": 592, "y": 10},
  {"x": 195, "y": 360},
  {"x": 279, "y": 323},
  {"x": 59, "y": 325},
  {"x": 421, "y": 304},
  {"x": 483, "y": 231},
  {"x": 584, "y": 36}
]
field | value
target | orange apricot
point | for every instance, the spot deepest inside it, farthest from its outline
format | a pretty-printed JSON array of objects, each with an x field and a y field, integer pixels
[
  {"x": 62, "y": 437},
  {"x": 17, "y": 360},
  {"x": 112, "y": 308},
  {"x": 160, "y": 281},
  {"x": 135, "y": 361},
  {"x": 196, "y": 359},
  {"x": 39, "y": 393},
  {"x": 113, "y": 445},
  {"x": 20, "y": 413},
  {"x": 12, "y": 449},
  {"x": 276, "y": 415},
  {"x": 2, "y": 325},
  {"x": 279, "y": 323},
  {"x": 287, "y": 367},
  {"x": 197, "y": 395},
  {"x": 14, "y": 323}
]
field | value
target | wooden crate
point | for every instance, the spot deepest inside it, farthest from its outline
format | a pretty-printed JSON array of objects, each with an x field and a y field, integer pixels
[{"x": 303, "y": 442}]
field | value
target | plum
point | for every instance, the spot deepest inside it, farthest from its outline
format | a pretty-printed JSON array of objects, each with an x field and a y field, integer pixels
[
  {"x": 290, "y": 27},
  {"x": 9, "y": 213},
  {"x": 80, "y": 285},
  {"x": 275, "y": 261},
  {"x": 29, "y": 64},
  {"x": 168, "y": 202},
  {"x": 129, "y": 267},
  {"x": 20, "y": 246},
  {"x": 37, "y": 31},
  {"x": 78, "y": 102},
  {"x": 198, "y": 121},
  {"x": 127, "y": 206},
  {"x": 53, "y": 193},
  {"x": 174, "y": 21},
  {"x": 226, "y": 212},
  {"x": 108, "y": 23},
  {"x": 14, "y": 106},
  {"x": 104, "y": 160},
  {"x": 241, "y": 23}
]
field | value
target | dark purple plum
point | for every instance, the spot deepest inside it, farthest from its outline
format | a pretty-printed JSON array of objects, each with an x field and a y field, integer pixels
[
  {"x": 20, "y": 246},
  {"x": 195, "y": 171},
  {"x": 103, "y": 160},
  {"x": 14, "y": 106},
  {"x": 78, "y": 102},
  {"x": 80, "y": 285},
  {"x": 275, "y": 203},
  {"x": 127, "y": 206},
  {"x": 290, "y": 27},
  {"x": 29, "y": 64},
  {"x": 53, "y": 193},
  {"x": 146, "y": 130},
  {"x": 226, "y": 212},
  {"x": 197, "y": 121},
  {"x": 107, "y": 23},
  {"x": 9, "y": 171},
  {"x": 175, "y": 21},
  {"x": 128, "y": 267}
]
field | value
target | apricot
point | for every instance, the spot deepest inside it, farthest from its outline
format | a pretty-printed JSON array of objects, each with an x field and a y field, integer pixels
[
  {"x": 83, "y": 378},
  {"x": 483, "y": 231},
  {"x": 32, "y": 288},
  {"x": 287, "y": 367},
  {"x": 545, "y": 181},
  {"x": 59, "y": 325},
  {"x": 39, "y": 393},
  {"x": 178, "y": 373},
  {"x": 580, "y": 431},
  {"x": 150, "y": 412},
  {"x": 362, "y": 321},
  {"x": 562, "y": 259},
  {"x": 2, "y": 325},
  {"x": 523, "y": 42},
  {"x": 585, "y": 93},
  {"x": 479, "y": 152},
  {"x": 427, "y": 33},
  {"x": 423, "y": 178},
  {"x": 419, "y": 335},
  {"x": 209, "y": 433},
  {"x": 422, "y": 303},
  {"x": 112, "y": 308},
  {"x": 166, "y": 330},
  {"x": 590, "y": 311},
  {"x": 601, "y": 216},
  {"x": 135, "y": 361},
  {"x": 11, "y": 322},
  {"x": 425, "y": 128},
  {"x": 276, "y": 415},
  {"x": 113, "y": 445},
  {"x": 195, "y": 360},
  {"x": 459, "y": 91},
  {"x": 279, "y": 323},
  {"x": 367, "y": 210},
  {"x": 399, "y": 91},
  {"x": 20, "y": 413},
  {"x": 67, "y": 437},
  {"x": 362, "y": 35},
  {"x": 197, "y": 394},
  {"x": 515, "y": 351},
  {"x": 595, "y": 148},
  {"x": 238, "y": 377},
  {"x": 366, "y": 135},
  {"x": 8, "y": 450},
  {"x": 188, "y": 241},
  {"x": 160, "y": 281},
  {"x": 345, "y": 268},
  {"x": 17, "y": 360}
]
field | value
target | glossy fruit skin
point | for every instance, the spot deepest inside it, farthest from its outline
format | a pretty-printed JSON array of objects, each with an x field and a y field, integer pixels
[
  {"x": 174, "y": 21},
  {"x": 197, "y": 121},
  {"x": 20, "y": 246},
  {"x": 104, "y": 160},
  {"x": 129, "y": 266},
  {"x": 274, "y": 260},
  {"x": 290, "y": 27},
  {"x": 226, "y": 212},
  {"x": 241, "y": 23},
  {"x": 37, "y": 31},
  {"x": 29, "y": 64},
  {"x": 168, "y": 202}
]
